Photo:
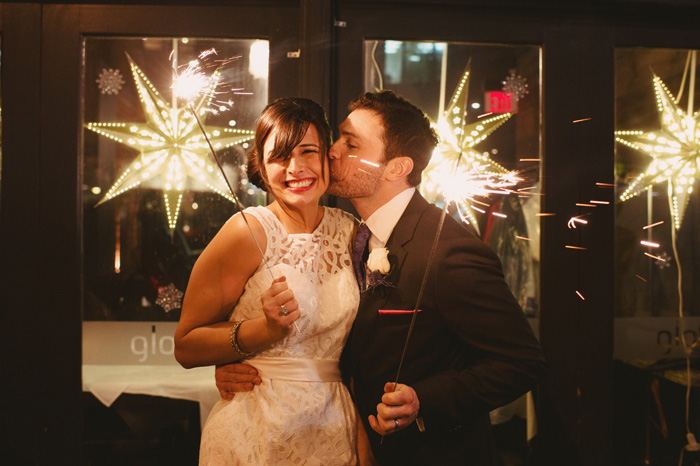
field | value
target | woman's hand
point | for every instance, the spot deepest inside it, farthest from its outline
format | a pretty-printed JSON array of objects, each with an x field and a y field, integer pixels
[{"x": 280, "y": 308}]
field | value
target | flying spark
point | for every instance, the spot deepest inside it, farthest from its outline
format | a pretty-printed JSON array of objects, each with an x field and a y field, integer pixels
[
  {"x": 652, "y": 225},
  {"x": 373, "y": 164},
  {"x": 574, "y": 220},
  {"x": 655, "y": 257}
]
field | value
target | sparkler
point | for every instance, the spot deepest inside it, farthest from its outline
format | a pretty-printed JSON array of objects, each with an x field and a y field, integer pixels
[
  {"x": 478, "y": 175},
  {"x": 172, "y": 153},
  {"x": 191, "y": 84},
  {"x": 457, "y": 183}
]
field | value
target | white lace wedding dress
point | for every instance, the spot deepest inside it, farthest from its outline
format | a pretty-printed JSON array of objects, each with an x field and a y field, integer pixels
[{"x": 301, "y": 413}]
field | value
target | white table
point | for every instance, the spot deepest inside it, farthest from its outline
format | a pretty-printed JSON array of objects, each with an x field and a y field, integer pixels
[{"x": 108, "y": 382}]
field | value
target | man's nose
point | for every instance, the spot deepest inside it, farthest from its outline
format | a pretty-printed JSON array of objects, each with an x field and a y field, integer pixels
[{"x": 332, "y": 152}]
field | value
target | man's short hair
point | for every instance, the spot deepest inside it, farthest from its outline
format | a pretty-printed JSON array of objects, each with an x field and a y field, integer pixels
[{"x": 407, "y": 130}]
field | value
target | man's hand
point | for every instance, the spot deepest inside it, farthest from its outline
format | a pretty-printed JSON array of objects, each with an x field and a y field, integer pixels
[
  {"x": 232, "y": 378},
  {"x": 398, "y": 409}
]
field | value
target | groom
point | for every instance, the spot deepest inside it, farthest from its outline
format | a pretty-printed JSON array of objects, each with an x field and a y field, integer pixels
[{"x": 471, "y": 350}]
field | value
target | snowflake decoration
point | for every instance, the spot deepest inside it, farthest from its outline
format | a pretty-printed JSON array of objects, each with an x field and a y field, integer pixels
[
  {"x": 169, "y": 297},
  {"x": 516, "y": 85},
  {"x": 110, "y": 81},
  {"x": 663, "y": 261}
]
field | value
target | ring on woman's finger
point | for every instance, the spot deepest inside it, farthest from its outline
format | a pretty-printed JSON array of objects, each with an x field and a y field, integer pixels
[
  {"x": 285, "y": 311},
  {"x": 396, "y": 424}
]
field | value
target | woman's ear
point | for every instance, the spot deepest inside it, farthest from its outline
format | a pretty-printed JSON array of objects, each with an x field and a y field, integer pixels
[{"x": 399, "y": 167}]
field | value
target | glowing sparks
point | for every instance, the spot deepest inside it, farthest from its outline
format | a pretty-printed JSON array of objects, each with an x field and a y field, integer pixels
[
  {"x": 640, "y": 277},
  {"x": 674, "y": 149},
  {"x": 371, "y": 164},
  {"x": 652, "y": 225},
  {"x": 191, "y": 83},
  {"x": 580, "y": 295},
  {"x": 545, "y": 214},
  {"x": 581, "y": 120},
  {"x": 522, "y": 237},
  {"x": 530, "y": 160},
  {"x": 649, "y": 244},
  {"x": 600, "y": 202},
  {"x": 660, "y": 259},
  {"x": 605, "y": 185},
  {"x": 498, "y": 214},
  {"x": 574, "y": 220},
  {"x": 457, "y": 173},
  {"x": 580, "y": 204},
  {"x": 579, "y": 248},
  {"x": 174, "y": 155}
]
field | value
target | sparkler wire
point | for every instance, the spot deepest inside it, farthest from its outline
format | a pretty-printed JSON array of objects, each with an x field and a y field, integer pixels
[
  {"x": 421, "y": 289},
  {"x": 433, "y": 248},
  {"x": 233, "y": 193},
  {"x": 235, "y": 197}
]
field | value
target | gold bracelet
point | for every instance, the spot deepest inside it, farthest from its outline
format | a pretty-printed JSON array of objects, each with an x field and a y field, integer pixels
[{"x": 233, "y": 339}]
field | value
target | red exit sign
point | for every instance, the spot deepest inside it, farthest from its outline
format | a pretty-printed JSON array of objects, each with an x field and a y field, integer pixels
[{"x": 500, "y": 102}]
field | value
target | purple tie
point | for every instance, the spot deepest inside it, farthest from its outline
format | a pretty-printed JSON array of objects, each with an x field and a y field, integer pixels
[{"x": 358, "y": 252}]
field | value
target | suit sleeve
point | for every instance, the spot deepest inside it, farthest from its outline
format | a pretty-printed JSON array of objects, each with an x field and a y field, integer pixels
[{"x": 504, "y": 359}]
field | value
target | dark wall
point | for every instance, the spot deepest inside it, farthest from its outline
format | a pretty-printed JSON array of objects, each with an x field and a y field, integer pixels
[{"x": 40, "y": 202}]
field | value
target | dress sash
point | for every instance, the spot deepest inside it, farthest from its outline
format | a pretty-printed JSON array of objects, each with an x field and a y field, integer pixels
[{"x": 296, "y": 369}]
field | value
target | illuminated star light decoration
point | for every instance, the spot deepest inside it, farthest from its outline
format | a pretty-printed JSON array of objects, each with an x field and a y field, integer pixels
[
  {"x": 674, "y": 150},
  {"x": 476, "y": 175},
  {"x": 174, "y": 155}
]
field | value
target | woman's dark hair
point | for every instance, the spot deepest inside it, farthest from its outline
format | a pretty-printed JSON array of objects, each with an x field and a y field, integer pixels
[{"x": 290, "y": 117}]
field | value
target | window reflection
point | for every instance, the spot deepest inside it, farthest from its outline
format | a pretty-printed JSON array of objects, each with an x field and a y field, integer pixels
[
  {"x": 657, "y": 292},
  {"x": 153, "y": 196},
  {"x": 484, "y": 102}
]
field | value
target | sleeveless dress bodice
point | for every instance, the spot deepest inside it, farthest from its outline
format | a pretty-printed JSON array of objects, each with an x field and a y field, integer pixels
[{"x": 294, "y": 419}]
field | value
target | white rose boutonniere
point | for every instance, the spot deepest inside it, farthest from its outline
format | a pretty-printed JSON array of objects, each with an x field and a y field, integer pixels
[
  {"x": 378, "y": 266},
  {"x": 379, "y": 260}
]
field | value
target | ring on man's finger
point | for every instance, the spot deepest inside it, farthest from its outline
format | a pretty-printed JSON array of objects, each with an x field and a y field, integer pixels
[
  {"x": 396, "y": 424},
  {"x": 285, "y": 311}
]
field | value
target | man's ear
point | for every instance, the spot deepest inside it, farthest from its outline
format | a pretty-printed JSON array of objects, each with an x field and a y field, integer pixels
[{"x": 399, "y": 167}]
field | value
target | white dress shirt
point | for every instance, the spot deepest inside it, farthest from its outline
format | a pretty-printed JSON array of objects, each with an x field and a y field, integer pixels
[{"x": 383, "y": 220}]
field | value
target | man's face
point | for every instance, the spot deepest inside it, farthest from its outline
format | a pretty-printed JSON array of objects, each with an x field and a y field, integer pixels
[{"x": 357, "y": 157}]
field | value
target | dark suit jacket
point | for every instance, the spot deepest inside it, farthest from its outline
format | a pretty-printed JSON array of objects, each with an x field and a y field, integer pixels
[{"x": 471, "y": 350}]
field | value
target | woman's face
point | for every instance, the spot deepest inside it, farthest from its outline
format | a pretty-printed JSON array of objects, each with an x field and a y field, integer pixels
[{"x": 299, "y": 180}]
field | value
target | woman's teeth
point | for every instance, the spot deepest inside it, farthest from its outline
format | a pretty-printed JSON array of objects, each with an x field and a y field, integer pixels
[{"x": 300, "y": 183}]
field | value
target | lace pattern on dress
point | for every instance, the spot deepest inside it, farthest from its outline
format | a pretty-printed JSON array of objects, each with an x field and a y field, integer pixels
[{"x": 288, "y": 422}]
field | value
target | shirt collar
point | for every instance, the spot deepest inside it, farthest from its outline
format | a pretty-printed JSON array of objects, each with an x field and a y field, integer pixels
[{"x": 383, "y": 220}]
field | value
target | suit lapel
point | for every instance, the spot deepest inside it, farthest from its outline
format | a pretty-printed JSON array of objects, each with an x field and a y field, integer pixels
[{"x": 373, "y": 300}]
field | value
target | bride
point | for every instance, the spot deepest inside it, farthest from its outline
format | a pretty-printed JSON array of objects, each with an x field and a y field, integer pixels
[{"x": 289, "y": 315}]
